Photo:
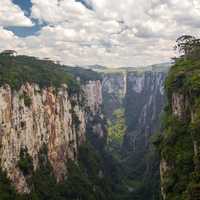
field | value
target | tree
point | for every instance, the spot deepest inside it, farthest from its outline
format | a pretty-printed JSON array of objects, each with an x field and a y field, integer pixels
[
  {"x": 116, "y": 132},
  {"x": 188, "y": 45}
]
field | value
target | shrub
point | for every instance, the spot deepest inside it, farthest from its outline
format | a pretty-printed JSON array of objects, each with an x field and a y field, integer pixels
[{"x": 25, "y": 162}]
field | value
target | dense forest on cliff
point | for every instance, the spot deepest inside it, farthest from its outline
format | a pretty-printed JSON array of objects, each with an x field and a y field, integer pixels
[
  {"x": 17, "y": 70},
  {"x": 179, "y": 145}
]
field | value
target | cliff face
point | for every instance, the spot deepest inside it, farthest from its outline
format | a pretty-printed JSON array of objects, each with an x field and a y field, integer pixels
[
  {"x": 33, "y": 117},
  {"x": 179, "y": 145},
  {"x": 93, "y": 92},
  {"x": 142, "y": 97},
  {"x": 144, "y": 104},
  {"x": 114, "y": 87}
]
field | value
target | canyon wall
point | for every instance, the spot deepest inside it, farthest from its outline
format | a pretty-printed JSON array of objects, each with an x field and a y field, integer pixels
[
  {"x": 141, "y": 94},
  {"x": 178, "y": 147},
  {"x": 180, "y": 140},
  {"x": 32, "y": 117},
  {"x": 114, "y": 88},
  {"x": 144, "y": 105}
]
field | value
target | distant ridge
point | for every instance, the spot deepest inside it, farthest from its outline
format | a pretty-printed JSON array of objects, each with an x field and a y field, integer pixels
[
  {"x": 156, "y": 67},
  {"x": 93, "y": 67}
]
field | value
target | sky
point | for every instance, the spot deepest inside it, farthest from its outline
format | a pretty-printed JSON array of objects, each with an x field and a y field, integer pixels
[{"x": 114, "y": 33}]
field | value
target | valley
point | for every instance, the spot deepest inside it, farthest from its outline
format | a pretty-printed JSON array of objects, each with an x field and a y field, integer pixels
[{"x": 69, "y": 133}]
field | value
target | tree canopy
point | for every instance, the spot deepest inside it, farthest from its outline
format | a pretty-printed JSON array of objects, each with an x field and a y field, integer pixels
[{"x": 189, "y": 46}]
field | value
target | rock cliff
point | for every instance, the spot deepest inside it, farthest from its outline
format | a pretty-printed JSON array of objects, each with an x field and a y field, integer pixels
[
  {"x": 173, "y": 155},
  {"x": 144, "y": 104},
  {"x": 141, "y": 94},
  {"x": 32, "y": 117},
  {"x": 114, "y": 88},
  {"x": 179, "y": 145}
]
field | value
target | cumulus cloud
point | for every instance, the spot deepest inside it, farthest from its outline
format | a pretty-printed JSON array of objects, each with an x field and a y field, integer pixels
[
  {"x": 10, "y": 41},
  {"x": 12, "y": 15},
  {"x": 109, "y": 32}
]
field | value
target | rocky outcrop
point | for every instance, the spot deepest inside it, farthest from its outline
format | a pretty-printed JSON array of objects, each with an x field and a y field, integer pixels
[
  {"x": 164, "y": 169},
  {"x": 96, "y": 125},
  {"x": 180, "y": 106},
  {"x": 93, "y": 92},
  {"x": 33, "y": 117},
  {"x": 114, "y": 91}
]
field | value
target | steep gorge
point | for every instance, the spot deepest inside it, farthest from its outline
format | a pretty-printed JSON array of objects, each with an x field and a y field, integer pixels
[
  {"x": 55, "y": 122},
  {"x": 56, "y": 126},
  {"x": 140, "y": 95}
]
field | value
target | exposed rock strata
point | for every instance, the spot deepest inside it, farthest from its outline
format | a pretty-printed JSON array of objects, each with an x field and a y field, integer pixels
[{"x": 33, "y": 117}]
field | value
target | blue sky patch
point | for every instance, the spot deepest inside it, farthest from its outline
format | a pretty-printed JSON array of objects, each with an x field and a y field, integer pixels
[
  {"x": 25, "y": 5},
  {"x": 87, "y": 3},
  {"x": 25, "y": 31}
]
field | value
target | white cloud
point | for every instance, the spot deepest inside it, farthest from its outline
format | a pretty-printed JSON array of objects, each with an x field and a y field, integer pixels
[
  {"x": 114, "y": 33},
  {"x": 9, "y": 40},
  {"x": 54, "y": 11},
  {"x": 12, "y": 15}
]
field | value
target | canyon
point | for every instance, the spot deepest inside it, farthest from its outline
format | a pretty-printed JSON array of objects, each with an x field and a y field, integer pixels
[
  {"x": 141, "y": 97},
  {"x": 73, "y": 133},
  {"x": 33, "y": 117}
]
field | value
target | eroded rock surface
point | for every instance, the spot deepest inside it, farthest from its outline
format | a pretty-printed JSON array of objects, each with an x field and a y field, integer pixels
[{"x": 33, "y": 117}]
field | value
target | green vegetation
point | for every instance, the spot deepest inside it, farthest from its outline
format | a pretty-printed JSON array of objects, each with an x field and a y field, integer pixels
[
  {"x": 87, "y": 179},
  {"x": 18, "y": 70},
  {"x": 138, "y": 172},
  {"x": 177, "y": 149},
  {"x": 27, "y": 99},
  {"x": 25, "y": 163},
  {"x": 181, "y": 139},
  {"x": 189, "y": 46},
  {"x": 43, "y": 184},
  {"x": 184, "y": 77},
  {"x": 141, "y": 174},
  {"x": 7, "y": 192},
  {"x": 116, "y": 131}
]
